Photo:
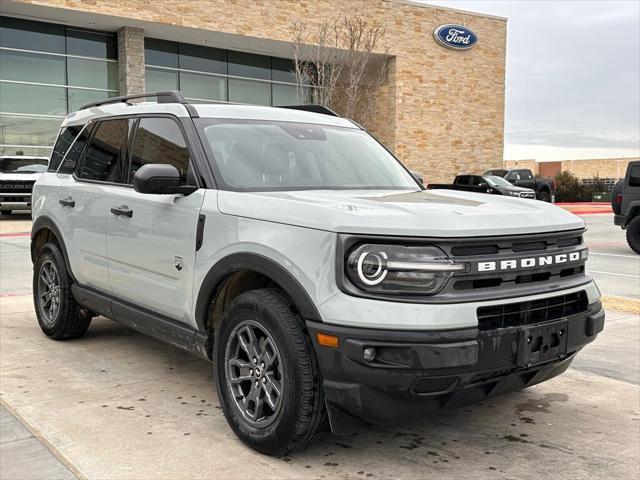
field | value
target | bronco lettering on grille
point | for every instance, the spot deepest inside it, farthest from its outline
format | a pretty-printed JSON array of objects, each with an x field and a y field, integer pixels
[{"x": 529, "y": 262}]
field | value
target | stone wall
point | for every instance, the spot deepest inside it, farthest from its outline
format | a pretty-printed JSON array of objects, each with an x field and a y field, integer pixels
[
  {"x": 131, "y": 60},
  {"x": 442, "y": 111},
  {"x": 583, "y": 169}
]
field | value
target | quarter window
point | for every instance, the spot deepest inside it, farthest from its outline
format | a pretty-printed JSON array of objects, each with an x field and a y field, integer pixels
[
  {"x": 634, "y": 176},
  {"x": 65, "y": 139},
  {"x": 73, "y": 156},
  {"x": 159, "y": 140},
  {"x": 104, "y": 158}
]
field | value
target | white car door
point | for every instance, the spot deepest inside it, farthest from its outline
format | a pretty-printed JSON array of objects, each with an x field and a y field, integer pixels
[
  {"x": 85, "y": 206},
  {"x": 151, "y": 238}
]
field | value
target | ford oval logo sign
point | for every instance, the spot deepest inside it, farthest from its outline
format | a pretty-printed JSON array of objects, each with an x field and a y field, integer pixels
[{"x": 455, "y": 36}]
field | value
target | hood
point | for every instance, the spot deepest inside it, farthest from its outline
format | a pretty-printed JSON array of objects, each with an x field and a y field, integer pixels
[
  {"x": 442, "y": 213},
  {"x": 19, "y": 176}
]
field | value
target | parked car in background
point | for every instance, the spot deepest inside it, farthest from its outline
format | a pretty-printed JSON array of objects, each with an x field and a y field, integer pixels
[
  {"x": 626, "y": 205},
  {"x": 523, "y": 177},
  {"x": 485, "y": 184},
  {"x": 17, "y": 175}
]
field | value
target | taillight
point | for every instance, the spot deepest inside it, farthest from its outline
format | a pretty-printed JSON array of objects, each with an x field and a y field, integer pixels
[{"x": 618, "y": 199}]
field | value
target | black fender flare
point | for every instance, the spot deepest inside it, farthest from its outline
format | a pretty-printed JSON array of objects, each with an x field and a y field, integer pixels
[
  {"x": 259, "y": 264},
  {"x": 46, "y": 222}
]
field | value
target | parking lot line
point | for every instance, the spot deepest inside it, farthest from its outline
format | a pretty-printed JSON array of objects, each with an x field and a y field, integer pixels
[
  {"x": 613, "y": 254},
  {"x": 617, "y": 274}
]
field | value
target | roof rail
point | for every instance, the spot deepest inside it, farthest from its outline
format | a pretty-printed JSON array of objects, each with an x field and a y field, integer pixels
[
  {"x": 312, "y": 108},
  {"x": 169, "y": 96}
]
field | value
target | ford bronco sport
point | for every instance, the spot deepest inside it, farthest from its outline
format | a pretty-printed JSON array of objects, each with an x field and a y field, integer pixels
[{"x": 293, "y": 251}]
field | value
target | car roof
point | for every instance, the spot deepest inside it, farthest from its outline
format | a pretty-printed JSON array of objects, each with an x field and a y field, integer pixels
[{"x": 220, "y": 111}]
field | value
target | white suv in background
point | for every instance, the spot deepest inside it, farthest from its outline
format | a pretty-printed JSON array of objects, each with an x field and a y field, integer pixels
[
  {"x": 18, "y": 173},
  {"x": 291, "y": 249}
]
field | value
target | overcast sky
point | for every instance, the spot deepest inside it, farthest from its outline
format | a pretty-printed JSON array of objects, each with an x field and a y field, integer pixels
[{"x": 573, "y": 76}]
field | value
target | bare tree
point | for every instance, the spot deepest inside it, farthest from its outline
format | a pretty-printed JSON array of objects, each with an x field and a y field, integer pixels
[{"x": 337, "y": 59}]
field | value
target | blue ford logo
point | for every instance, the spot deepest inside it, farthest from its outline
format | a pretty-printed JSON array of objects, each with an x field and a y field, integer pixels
[{"x": 455, "y": 36}]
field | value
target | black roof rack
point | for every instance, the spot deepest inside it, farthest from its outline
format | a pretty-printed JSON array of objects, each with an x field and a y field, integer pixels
[
  {"x": 312, "y": 108},
  {"x": 169, "y": 96}
]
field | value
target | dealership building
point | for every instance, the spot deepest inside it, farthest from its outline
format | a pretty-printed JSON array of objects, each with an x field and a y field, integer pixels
[{"x": 440, "y": 109}]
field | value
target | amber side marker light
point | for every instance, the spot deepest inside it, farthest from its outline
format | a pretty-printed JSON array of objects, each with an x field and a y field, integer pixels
[{"x": 327, "y": 340}]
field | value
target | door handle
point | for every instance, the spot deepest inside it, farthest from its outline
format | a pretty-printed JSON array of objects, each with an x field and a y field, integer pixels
[
  {"x": 123, "y": 211},
  {"x": 67, "y": 203}
]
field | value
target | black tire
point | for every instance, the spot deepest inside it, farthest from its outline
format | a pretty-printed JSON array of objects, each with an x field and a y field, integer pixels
[
  {"x": 300, "y": 411},
  {"x": 5, "y": 212},
  {"x": 615, "y": 190},
  {"x": 68, "y": 320},
  {"x": 544, "y": 196},
  {"x": 633, "y": 234}
]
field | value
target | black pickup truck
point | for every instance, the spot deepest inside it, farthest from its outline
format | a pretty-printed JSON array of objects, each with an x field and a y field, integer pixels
[
  {"x": 626, "y": 205},
  {"x": 485, "y": 184},
  {"x": 523, "y": 177}
]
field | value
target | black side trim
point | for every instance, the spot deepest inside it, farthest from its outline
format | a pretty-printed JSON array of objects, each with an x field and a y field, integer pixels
[
  {"x": 144, "y": 321},
  {"x": 311, "y": 108},
  {"x": 259, "y": 264},
  {"x": 200, "y": 231},
  {"x": 46, "y": 222}
]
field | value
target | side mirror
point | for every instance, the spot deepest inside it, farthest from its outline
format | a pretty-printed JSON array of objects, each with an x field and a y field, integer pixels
[
  {"x": 482, "y": 184},
  {"x": 417, "y": 176},
  {"x": 159, "y": 179}
]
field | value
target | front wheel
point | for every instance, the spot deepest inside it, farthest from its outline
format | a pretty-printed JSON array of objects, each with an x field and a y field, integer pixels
[
  {"x": 266, "y": 374},
  {"x": 59, "y": 316},
  {"x": 633, "y": 234}
]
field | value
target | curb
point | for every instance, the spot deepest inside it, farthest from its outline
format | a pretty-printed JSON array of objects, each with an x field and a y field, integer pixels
[
  {"x": 623, "y": 304},
  {"x": 44, "y": 440}
]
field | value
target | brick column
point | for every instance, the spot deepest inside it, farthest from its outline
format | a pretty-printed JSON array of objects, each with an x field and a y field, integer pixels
[{"x": 131, "y": 60}]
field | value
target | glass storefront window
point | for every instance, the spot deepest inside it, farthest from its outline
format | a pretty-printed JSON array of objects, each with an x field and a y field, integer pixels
[
  {"x": 203, "y": 87},
  {"x": 210, "y": 74},
  {"x": 84, "y": 43},
  {"x": 160, "y": 53},
  {"x": 288, "y": 95},
  {"x": 92, "y": 73},
  {"x": 32, "y": 67},
  {"x": 42, "y": 78},
  {"x": 37, "y": 99},
  {"x": 78, "y": 97},
  {"x": 28, "y": 35},
  {"x": 202, "y": 59},
  {"x": 25, "y": 130},
  {"x": 247, "y": 91},
  {"x": 157, "y": 80},
  {"x": 249, "y": 65}
]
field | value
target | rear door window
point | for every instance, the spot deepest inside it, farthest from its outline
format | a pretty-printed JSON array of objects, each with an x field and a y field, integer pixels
[
  {"x": 159, "y": 140},
  {"x": 104, "y": 159}
]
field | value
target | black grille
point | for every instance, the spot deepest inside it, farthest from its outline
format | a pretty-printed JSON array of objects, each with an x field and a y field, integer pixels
[
  {"x": 13, "y": 187},
  {"x": 533, "y": 311},
  {"x": 515, "y": 246}
]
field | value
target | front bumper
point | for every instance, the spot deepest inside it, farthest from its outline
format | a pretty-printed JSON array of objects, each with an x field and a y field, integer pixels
[
  {"x": 9, "y": 201},
  {"x": 416, "y": 373}
]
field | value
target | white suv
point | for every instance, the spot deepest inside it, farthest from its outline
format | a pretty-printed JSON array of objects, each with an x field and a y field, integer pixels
[{"x": 292, "y": 250}]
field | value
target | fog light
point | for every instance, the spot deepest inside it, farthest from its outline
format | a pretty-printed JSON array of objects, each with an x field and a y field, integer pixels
[{"x": 369, "y": 354}]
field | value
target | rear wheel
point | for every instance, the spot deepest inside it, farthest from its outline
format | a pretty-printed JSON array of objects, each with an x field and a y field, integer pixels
[
  {"x": 59, "y": 316},
  {"x": 633, "y": 234},
  {"x": 544, "y": 196},
  {"x": 266, "y": 374}
]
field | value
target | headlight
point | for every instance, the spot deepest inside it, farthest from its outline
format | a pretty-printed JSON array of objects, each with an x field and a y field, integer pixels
[{"x": 394, "y": 269}]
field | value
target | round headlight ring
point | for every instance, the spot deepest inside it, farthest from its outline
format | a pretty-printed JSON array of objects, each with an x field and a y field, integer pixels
[{"x": 380, "y": 258}]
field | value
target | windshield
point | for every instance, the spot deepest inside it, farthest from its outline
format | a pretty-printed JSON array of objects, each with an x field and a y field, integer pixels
[
  {"x": 495, "y": 181},
  {"x": 260, "y": 155},
  {"x": 23, "y": 165}
]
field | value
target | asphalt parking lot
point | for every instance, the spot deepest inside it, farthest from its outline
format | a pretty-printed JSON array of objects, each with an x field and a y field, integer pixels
[{"x": 115, "y": 404}]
